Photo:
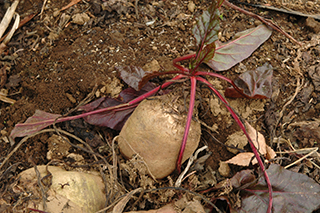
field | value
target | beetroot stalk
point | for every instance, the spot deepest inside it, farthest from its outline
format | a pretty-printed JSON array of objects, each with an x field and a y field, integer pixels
[
  {"x": 189, "y": 118},
  {"x": 241, "y": 125}
]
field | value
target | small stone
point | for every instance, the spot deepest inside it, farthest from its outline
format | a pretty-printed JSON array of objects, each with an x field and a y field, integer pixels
[
  {"x": 71, "y": 98},
  {"x": 152, "y": 66},
  {"x": 224, "y": 169},
  {"x": 76, "y": 157},
  {"x": 56, "y": 13},
  {"x": 3, "y": 132},
  {"x": 80, "y": 18},
  {"x": 98, "y": 94},
  {"x": 154, "y": 48},
  {"x": 182, "y": 27},
  {"x": 191, "y": 6},
  {"x": 312, "y": 25},
  {"x": 257, "y": 22},
  {"x": 103, "y": 89},
  {"x": 183, "y": 16}
]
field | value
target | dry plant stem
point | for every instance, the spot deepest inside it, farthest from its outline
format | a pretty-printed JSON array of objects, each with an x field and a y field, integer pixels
[
  {"x": 298, "y": 88},
  {"x": 191, "y": 160},
  {"x": 15, "y": 26},
  {"x": 73, "y": 2},
  {"x": 304, "y": 157},
  {"x": 188, "y": 191},
  {"x": 22, "y": 22},
  {"x": 7, "y": 17},
  {"x": 114, "y": 159},
  {"x": 42, "y": 9},
  {"x": 291, "y": 12},
  {"x": 265, "y": 21},
  {"x": 300, "y": 152},
  {"x": 43, "y": 193},
  {"x": 6, "y": 99},
  {"x": 136, "y": 9},
  {"x": 13, "y": 29},
  {"x": 255, "y": 151},
  {"x": 20, "y": 143},
  {"x": 123, "y": 202}
]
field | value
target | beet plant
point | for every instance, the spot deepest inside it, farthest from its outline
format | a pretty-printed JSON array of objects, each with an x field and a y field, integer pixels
[{"x": 114, "y": 112}]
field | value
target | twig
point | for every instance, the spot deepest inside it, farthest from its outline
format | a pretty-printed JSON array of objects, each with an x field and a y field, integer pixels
[
  {"x": 191, "y": 159},
  {"x": 304, "y": 157},
  {"x": 43, "y": 193},
  {"x": 268, "y": 22},
  {"x": 298, "y": 88},
  {"x": 73, "y": 2},
  {"x": 22, "y": 22},
  {"x": 114, "y": 159},
  {"x": 136, "y": 9},
  {"x": 42, "y": 9},
  {"x": 7, "y": 17},
  {"x": 20, "y": 143},
  {"x": 291, "y": 12},
  {"x": 6, "y": 99}
]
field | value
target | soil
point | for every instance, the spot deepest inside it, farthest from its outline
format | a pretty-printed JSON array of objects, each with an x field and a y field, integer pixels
[{"x": 56, "y": 60}]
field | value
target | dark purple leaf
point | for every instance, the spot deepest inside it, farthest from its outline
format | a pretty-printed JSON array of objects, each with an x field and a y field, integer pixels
[
  {"x": 292, "y": 192},
  {"x": 132, "y": 75},
  {"x": 35, "y": 123},
  {"x": 229, "y": 54},
  {"x": 254, "y": 84},
  {"x": 114, "y": 119}
]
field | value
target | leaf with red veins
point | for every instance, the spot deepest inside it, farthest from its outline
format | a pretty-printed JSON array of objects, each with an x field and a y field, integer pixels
[
  {"x": 245, "y": 43},
  {"x": 205, "y": 32},
  {"x": 207, "y": 53},
  {"x": 292, "y": 192},
  {"x": 32, "y": 124},
  {"x": 255, "y": 84},
  {"x": 114, "y": 119}
]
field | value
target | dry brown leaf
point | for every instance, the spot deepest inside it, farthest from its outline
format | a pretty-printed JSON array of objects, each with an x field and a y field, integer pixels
[
  {"x": 169, "y": 208},
  {"x": 120, "y": 206},
  {"x": 270, "y": 153},
  {"x": 243, "y": 159},
  {"x": 257, "y": 138}
]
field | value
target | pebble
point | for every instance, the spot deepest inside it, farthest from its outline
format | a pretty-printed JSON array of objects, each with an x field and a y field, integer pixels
[
  {"x": 71, "y": 98},
  {"x": 56, "y": 13},
  {"x": 191, "y": 6},
  {"x": 313, "y": 25},
  {"x": 80, "y": 18},
  {"x": 224, "y": 169}
]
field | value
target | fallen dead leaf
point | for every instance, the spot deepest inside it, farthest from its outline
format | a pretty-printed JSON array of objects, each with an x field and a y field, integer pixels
[
  {"x": 257, "y": 138},
  {"x": 245, "y": 158}
]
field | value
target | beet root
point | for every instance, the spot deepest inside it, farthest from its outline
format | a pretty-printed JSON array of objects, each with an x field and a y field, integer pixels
[{"x": 155, "y": 131}]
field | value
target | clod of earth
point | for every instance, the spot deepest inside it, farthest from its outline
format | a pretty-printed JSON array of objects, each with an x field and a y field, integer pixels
[
  {"x": 154, "y": 131},
  {"x": 81, "y": 192}
]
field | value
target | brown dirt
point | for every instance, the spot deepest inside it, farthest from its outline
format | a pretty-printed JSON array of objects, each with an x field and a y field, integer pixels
[{"x": 56, "y": 65}]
